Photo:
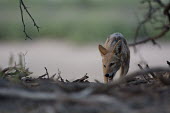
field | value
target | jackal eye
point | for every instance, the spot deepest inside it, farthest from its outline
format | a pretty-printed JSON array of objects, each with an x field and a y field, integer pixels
[
  {"x": 104, "y": 66},
  {"x": 111, "y": 64}
]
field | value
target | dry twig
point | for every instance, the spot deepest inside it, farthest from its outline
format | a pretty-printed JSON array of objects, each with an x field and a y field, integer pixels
[
  {"x": 59, "y": 76},
  {"x": 23, "y": 6},
  {"x": 82, "y": 79},
  {"x": 146, "y": 77},
  {"x": 153, "y": 75}
]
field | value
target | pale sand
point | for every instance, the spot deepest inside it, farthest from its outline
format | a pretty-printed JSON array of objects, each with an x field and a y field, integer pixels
[{"x": 74, "y": 61}]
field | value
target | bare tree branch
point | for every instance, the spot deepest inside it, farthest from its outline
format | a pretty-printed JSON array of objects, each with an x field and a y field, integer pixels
[
  {"x": 150, "y": 16},
  {"x": 22, "y": 6},
  {"x": 160, "y": 35}
]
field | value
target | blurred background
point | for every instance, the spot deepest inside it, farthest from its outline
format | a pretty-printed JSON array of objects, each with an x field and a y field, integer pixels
[
  {"x": 70, "y": 31},
  {"x": 75, "y": 20}
]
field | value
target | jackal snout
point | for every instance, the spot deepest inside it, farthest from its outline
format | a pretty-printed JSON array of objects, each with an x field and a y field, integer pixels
[{"x": 110, "y": 76}]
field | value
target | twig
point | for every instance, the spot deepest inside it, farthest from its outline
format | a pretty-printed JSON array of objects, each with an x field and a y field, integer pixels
[
  {"x": 82, "y": 79},
  {"x": 46, "y": 74},
  {"x": 59, "y": 76},
  {"x": 52, "y": 77},
  {"x": 22, "y": 5},
  {"x": 6, "y": 69},
  {"x": 43, "y": 75},
  {"x": 67, "y": 81},
  {"x": 146, "y": 78},
  {"x": 153, "y": 75},
  {"x": 97, "y": 81}
]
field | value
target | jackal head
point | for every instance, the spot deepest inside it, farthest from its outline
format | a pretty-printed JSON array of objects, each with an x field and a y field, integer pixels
[{"x": 111, "y": 60}]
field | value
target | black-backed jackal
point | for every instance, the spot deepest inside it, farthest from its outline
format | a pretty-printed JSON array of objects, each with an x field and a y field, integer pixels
[{"x": 115, "y": 57}]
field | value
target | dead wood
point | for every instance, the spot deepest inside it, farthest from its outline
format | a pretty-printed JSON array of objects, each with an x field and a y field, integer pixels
[
  {"x": 143, "y": 72},
  {"x": 82, "y": 79},
  {"x": 52, "y": 96}
]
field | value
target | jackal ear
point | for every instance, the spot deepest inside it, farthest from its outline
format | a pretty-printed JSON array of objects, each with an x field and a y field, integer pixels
[
  {"x": 118, "y": 48},
  {"x": 102, "y": 50}
]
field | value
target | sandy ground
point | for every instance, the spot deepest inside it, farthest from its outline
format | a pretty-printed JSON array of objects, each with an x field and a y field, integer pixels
[{"x": 74, "y": 61}]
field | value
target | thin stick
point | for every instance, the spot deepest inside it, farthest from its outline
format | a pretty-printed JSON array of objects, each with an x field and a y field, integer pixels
[
  {"x": 144, "y": 74},
  {"x": 82, "y": 79},
  {"x": 47, "y": 72},
  {"x": 59, "y": 76},
  {"x": 153, "y": 75},
  {"x": 22, "y": 5}
]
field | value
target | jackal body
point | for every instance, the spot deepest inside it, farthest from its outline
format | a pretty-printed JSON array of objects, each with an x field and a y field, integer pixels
[{"x": 115, "y": 56}]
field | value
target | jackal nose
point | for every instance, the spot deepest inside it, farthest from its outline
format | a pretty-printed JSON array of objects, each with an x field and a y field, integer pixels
[{"x": 106, "y": 75}]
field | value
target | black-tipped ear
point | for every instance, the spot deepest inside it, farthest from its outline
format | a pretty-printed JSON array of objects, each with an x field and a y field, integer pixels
[
  {"x": 118, "y": 48},
  {"x": 102, "y": 50}
]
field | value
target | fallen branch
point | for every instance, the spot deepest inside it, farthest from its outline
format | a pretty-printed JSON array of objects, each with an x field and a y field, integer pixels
[
  {"x": 82, "y": 79},
  {"x": 138, "y": 73}
]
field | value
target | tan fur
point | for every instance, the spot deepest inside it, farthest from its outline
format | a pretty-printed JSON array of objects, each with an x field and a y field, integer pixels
[{"x": 115, "y": 56}]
